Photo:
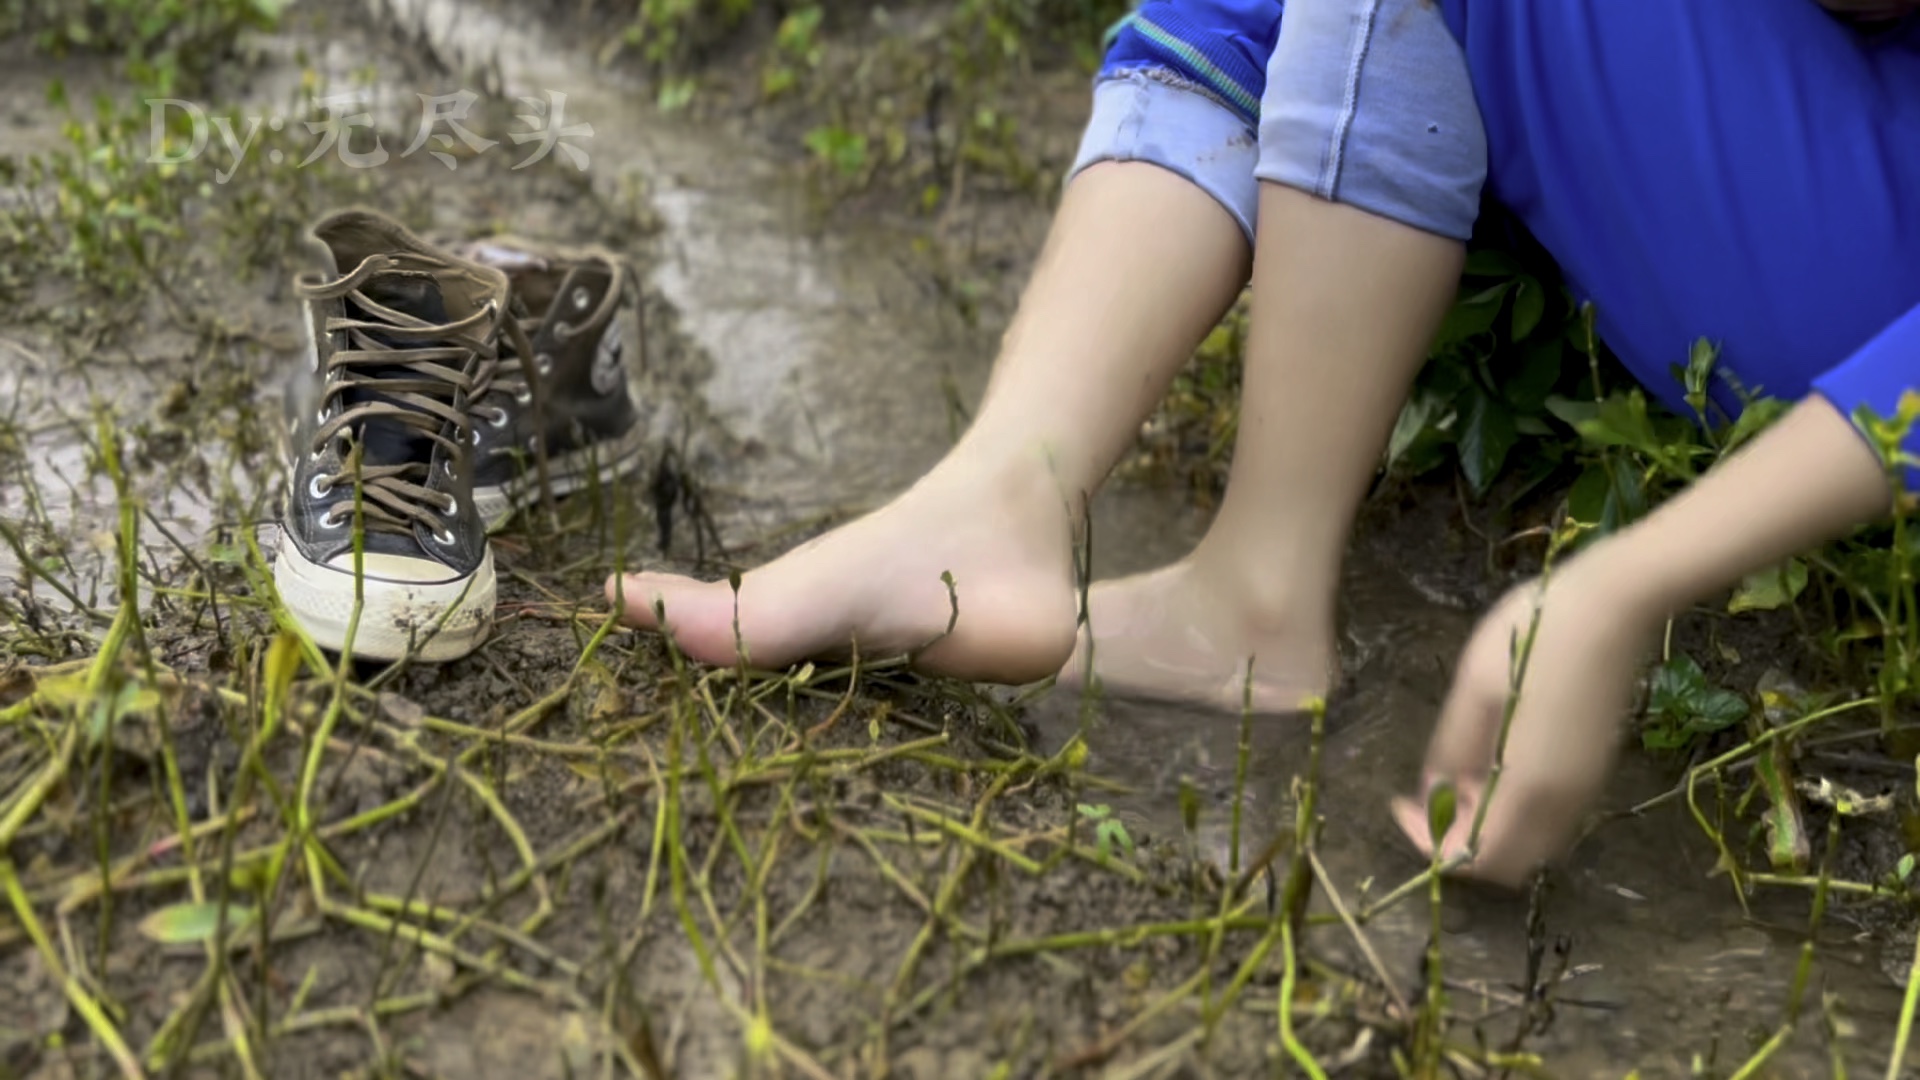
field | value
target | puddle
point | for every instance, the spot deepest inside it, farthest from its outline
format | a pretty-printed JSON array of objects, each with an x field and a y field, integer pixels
[{"x": 826, "y": 355}]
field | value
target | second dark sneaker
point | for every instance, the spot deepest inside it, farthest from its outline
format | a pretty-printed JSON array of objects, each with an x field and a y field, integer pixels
[
  {"x": 382, "y": 445},
  {"x": 575, "y": 394}
]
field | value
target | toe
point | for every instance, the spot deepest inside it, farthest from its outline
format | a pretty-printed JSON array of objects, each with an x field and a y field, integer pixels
[{"x": 635, "y": 597}]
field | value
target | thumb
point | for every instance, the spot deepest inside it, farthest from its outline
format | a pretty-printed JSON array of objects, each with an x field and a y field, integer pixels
[{"x": 1415, "y": 820}]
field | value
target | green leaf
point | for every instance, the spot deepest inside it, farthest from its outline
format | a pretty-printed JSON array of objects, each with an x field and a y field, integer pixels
[
  {"x": 1717, "y": 709},
  {"x": 1787, "y": 845},
  {"x": 1682, "y": 694},
  {"x": 1774, "y": 587},
  {"x": 1587, "y": 501},
  {"x": 1442, "y": 805},
  {"x": 1527, "y": 389},
  {"x": 107, "y": 710},
  {"x": 1700, "y": 361},
  {"x": 183, "y": 924},
  {"x": 1756, "y": 417},
  {"x": 1661, "y": 735},
  {"x": 1529, "y": 305},
  {"x": 1623, "y": 421},
  {"x": 1572, "y": 412},
  {"x": 844, "y": 150},
  {"x": 1486, "y": 437},
  {"x": 1607, "y": 496},
  {"x": 1471, "y": 316},
  {"x": 1418, "y": 425},
  {"x": 676, "y": 94}
]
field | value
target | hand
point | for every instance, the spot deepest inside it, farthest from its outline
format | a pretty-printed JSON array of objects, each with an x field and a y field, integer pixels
[
  {"x": 1578, "y": 686},
  {"x": 1802, "y": 482}
]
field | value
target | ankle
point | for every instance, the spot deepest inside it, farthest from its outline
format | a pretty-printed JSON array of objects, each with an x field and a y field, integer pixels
[
  {"x": 1268, "y": 594},
  {"x": 1011, "y": 478}
]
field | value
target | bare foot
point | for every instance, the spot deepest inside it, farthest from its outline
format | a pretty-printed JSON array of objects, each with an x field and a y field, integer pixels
[
  {"x": 877, "y": 581},
  {"x": 1183, "y": 634}
]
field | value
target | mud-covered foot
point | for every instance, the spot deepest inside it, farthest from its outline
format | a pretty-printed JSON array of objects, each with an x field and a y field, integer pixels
[
  {"x": 877, "y": 582},
  {"x": 1184, "y": 634}
]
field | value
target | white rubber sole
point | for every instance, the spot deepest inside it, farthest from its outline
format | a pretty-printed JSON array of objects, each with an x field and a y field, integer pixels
[
  {"x": 599, "y": 463},
  {"x": 431, "y": 621}
]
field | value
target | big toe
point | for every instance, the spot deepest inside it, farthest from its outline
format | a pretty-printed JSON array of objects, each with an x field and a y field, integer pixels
[
  {"x": 642, "y": 598},
  {"x": 628, "y": 594}
]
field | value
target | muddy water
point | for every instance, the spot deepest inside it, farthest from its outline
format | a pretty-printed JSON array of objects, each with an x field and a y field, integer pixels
[
  {"x": 56, "y": 496},
  {"x": 829, "y": 361}
]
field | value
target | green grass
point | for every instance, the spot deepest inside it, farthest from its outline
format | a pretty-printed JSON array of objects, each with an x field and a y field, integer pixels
[
  {"x": 169, "y": 45},
  {"x": 723, "y": 787}
]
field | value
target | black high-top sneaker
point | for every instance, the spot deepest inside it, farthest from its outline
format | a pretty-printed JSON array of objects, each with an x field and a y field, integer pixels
[
  {"x": 383, "y": 439},
  {"x": 575, "y": 394}
]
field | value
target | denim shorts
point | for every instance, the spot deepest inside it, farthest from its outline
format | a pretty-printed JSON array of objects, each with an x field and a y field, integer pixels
[{"x": 1363, "y": 102}]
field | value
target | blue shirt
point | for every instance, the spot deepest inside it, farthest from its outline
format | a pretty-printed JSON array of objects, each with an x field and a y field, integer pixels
[
  {"x": 1746, "y": 172},
  {"x": 1220, "y": 45},
  {"x": 1742, "y": 170}
]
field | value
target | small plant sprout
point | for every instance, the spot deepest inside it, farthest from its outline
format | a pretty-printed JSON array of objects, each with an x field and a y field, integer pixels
[{"x": 1109, "y": 832}]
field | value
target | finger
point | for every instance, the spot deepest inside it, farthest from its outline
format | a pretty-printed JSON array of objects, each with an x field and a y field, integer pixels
[
  {"x": 1511, "y": 844},
  {"x": 1412, "y": 819},
  {"x": 1415, "y": 820}
]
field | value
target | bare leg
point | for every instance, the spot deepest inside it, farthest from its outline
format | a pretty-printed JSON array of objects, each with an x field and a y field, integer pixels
[
  {"x": 1109, "y": 316},
  {"x": 1346, "y": 304}
]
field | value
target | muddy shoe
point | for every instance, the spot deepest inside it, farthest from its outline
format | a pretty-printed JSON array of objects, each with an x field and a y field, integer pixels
[
  {"x": 575, "y": 394},
  {"x": 383, "y": 431}
]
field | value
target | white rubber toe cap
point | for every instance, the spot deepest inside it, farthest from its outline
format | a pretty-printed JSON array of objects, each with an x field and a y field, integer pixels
[{"x": 411, "y": 606}]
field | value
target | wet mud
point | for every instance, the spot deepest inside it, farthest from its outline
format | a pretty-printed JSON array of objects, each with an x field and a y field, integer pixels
[{"x": 529, "y": 864}]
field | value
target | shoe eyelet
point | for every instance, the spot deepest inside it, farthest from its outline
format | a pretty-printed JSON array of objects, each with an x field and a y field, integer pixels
[
  {"x": 524, "y": 397},
  {"x": 474, "y": 436},
  {"x": 446, "y": 466},
  {"x": 499, "y": 418},
  {"x": 543, "y": 364},
  {"x": 317, "y": 488},
  {"x": 330, "y": 520},
  {"x": 580, "y": 296},
  {"x": 444, "y": 537},
  {"x": 451, "y": 506}
]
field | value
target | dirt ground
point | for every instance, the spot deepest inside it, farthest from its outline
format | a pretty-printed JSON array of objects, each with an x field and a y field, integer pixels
[{"x": 572, "y": 854}]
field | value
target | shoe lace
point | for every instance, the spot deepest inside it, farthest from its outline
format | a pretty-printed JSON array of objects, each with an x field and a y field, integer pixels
[
  {"x": 512, "y": 373},
  {"x": 394, "y": 496},
  {"x": 518, "y": 372}
]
